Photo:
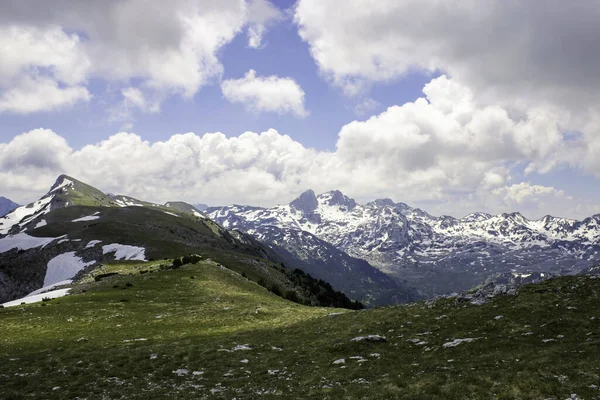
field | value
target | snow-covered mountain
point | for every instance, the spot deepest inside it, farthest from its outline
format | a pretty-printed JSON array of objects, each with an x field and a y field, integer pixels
[
  {"x": 437, "y": 254},
  {"x": 6, "y": 205}
]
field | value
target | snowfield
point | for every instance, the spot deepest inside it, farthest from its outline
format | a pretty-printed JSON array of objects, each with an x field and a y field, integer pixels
[
  {"x": 23, "y": 241},
  {"x": 125, "y": 252},
  {"x": 64, "y": 266}
]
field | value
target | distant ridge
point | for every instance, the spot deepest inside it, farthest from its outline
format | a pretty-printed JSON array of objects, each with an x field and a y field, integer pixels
[{"x": 6, "y": 206}]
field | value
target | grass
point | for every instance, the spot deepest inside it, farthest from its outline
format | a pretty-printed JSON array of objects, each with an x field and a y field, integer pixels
[{"x": 172, "y": 333}]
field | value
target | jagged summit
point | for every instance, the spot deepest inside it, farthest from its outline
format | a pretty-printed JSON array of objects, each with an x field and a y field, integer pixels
[
  {"x": 337, "y": 198},
  {"x": 307, "y": 202},
  {"x": 382, "y": 202}
]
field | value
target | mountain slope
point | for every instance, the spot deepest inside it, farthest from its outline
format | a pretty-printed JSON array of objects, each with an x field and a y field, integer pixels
[
  {"x": 354, "y": 276},
  {"x": 6, "y": 206},
  {"x": 75, "y": 227},
  {"x": 436, "y": 254},
  {"x": 201, "y": 331}
]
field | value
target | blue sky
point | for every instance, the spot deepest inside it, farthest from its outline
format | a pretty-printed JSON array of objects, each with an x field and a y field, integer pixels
[{"x": 495, "y": 133}]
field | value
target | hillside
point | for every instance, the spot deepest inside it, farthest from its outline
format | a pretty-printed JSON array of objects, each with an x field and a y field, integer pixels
[
  {"x": 436, "y": 255},
  {"x": 203, "y": 331},
  {"x": 75, "y": 227}
]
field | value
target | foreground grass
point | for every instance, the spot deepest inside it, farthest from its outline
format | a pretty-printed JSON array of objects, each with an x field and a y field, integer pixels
[{"x": 202, "y": 331}]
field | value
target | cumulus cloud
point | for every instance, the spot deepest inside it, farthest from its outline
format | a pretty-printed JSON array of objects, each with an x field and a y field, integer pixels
[
  {"x": 41, "y": 94},
  {"x": 266, "y": 94},
  {"x": 443, "y": 151},
  {"x": 517, "y": 49},
  {"x": 164, "y": 50}
]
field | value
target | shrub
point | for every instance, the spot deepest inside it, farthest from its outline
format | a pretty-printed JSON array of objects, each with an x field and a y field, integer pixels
[
  {"x": 178, "y": 262},
  {"x": 191, "y": 259},
  {"x": 292, "y": 296},
  {"x": 275, "y": 290}
]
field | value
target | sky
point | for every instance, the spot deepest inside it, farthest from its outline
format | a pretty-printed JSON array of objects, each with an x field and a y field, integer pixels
[{"x": 453, "y": 107}]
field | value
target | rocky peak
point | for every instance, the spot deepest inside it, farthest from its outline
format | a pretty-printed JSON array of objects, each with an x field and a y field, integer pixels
[
  {"x": 307, "y": 202},
  {"x": 383, "y": 202},
  {"x": 337, "y": 198}
]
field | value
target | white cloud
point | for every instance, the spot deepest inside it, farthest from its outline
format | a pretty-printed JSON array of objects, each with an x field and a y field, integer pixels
[
  {"x": 41, "y": 69},
  {"x": 40, "y": 94},
  {"x": 266, "y": 94},
  {"x": 261, "y": 15},
  {"x": 526, "y": 62},
  {"x": 516, "y": 50},
  {"x": 165, "y": 50}
]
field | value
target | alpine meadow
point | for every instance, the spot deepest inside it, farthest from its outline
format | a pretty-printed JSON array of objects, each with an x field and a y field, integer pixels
[{"x": 299, "y": 199}]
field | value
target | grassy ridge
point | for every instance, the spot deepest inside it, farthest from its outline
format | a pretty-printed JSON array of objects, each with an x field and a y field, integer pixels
[{"x": 542, "y": 343}]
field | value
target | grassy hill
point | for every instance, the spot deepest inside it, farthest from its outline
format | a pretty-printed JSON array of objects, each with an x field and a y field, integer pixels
[{"x": 204, "y": 331}]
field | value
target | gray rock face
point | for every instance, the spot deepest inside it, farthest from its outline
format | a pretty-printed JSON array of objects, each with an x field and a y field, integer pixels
[{"x": 306, "y": 202}]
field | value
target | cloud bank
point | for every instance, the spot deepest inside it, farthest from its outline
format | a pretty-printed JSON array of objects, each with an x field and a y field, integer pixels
[{"x": 442, "y": 149}]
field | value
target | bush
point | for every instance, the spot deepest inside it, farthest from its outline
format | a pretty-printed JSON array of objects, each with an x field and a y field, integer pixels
[
  {"x": 178, "y": 262},
  {"x": 292, "y": 296},
  {"x": 191, "y": 259},
  {"x": 275, "y": 290}
]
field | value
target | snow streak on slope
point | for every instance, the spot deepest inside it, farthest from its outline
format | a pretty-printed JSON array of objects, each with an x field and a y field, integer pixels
[{"x": 92, "y": 217}]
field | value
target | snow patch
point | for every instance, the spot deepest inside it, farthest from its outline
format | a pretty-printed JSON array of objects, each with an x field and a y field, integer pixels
[
  {"x": 64, "y": 266},
  {"x": 40, "y": 224},
  {"x": 23, "y": 241},
  {"x": 125, "y": 252}
]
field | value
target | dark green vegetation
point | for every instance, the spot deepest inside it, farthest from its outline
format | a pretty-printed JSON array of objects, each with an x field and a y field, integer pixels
[{"x": 203, "y": 331}]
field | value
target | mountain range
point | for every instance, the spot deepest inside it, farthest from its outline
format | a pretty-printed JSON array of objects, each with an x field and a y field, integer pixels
[
  {"x": 377, "y": 253},
  {"x": 435, "y": 255}
]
